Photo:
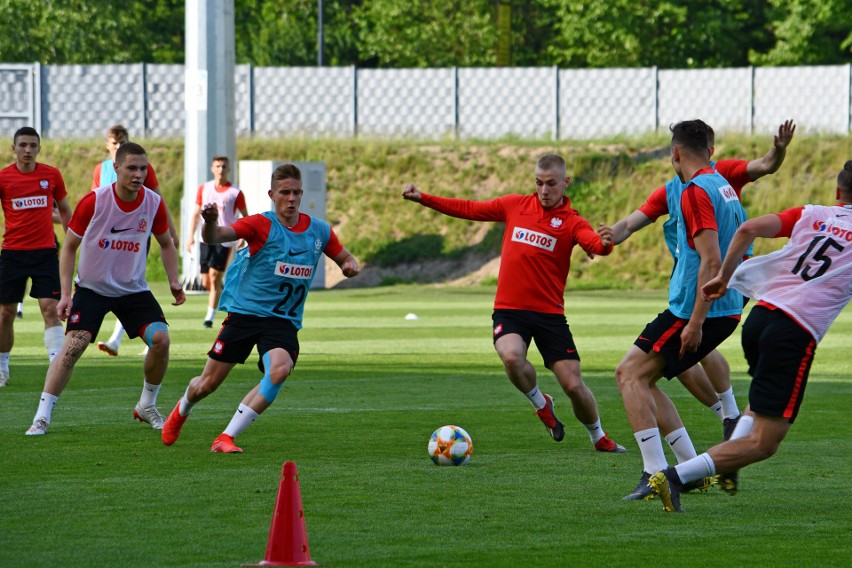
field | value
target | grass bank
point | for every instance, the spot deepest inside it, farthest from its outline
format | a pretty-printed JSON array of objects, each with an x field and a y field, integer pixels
[{"x": 610, "y": 179}]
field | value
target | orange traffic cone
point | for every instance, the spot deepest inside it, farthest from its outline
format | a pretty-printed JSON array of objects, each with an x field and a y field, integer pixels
[{"x": 288, "y": 537}]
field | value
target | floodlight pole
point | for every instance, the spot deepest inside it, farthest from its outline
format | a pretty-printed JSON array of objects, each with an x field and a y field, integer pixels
[{"x": 208, "y": 101}]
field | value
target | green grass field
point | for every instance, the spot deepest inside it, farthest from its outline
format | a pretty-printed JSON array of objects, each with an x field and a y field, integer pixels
[{"x": 356, "y": 415}]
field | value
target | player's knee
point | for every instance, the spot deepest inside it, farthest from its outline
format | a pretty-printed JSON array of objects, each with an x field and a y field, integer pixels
[{"x": 156, "y": 336}]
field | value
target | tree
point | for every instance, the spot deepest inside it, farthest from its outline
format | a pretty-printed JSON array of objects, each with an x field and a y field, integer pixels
[
  {"x": 808, "y": 32},
  {"x": 440, "y": 33}
]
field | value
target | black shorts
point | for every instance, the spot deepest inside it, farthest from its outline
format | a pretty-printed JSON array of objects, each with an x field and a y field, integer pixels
[
  {"x": 663, "y": 336},
  {"x": 214, "y": 256},
  {"x": 779, "y": 354},
  {"x": 134, "y": 311},
  {"x": 240, "y": 333},
  {"x": 552, "y": 336},
  {"x": 41, "y": 265}
]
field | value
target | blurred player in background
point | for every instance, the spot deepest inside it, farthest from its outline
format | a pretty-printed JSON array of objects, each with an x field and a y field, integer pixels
[
  {"x": 215, "y": 258},
  {"x": 28, "y": 191}
]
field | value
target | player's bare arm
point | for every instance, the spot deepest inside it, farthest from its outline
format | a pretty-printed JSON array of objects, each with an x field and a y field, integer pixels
[
  {"x": 67, "y": 260},
  {"x": 169, "y": 256},
  {"x": 706, "y": 244},
  {"x": 773, "y": 159},
  {"x": 411, "y": 193},
  {"x": 622, "y": 230},
  {"x": 193, "y": 226},
  {"x": 211, "y": 232},
  {"x": 347, "y": 263},
  {"x": 64, "y": 210},
  {"x": 172, "y": 230},
  {"x": 766, "y": 226}
]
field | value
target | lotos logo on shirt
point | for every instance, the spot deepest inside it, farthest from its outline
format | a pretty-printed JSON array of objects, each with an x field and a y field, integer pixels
[
  {"x": 538, "y": 240},
  {"x": 118, "y": 244},
  {"x": 35, "y": 202},
  {"x": 300, "y": 271},
  {"x": 728, "y": 193},
  {"x": 835, "y": 228}
]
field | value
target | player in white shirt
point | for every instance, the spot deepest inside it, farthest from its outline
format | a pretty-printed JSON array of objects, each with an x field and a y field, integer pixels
[
  {"x": 215, "y": 258},
  {"x": 111, "y": 227},
  {"x": 800, "y": 289}
]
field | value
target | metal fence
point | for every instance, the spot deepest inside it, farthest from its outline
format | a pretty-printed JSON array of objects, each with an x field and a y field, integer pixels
[{"x": 82, "y": 101}]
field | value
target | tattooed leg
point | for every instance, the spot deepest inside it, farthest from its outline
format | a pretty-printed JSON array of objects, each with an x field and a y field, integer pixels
[{"x": 59, "y": 373}]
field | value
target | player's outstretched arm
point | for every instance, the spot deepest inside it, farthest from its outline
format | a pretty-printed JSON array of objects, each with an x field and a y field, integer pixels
[
  {"x": 411, "y": 193},
  {"x": 773, "y": 159},
  {"x": 622, "y": 230}
]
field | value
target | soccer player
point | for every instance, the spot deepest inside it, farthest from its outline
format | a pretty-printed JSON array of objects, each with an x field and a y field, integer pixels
[
  {"x": 28, "y": 192},
  {"x": 111, "y": 227},
  {"x": 707, "y": 213},
  {"x": 541, "y": 231},
  {"x": 801, "y": 289},
  {"x": 709, "y": 382},
  {"x": 215, "y": 258},
  {"x": 105, "y": 174},
  {"x": 264, "y": 294}
]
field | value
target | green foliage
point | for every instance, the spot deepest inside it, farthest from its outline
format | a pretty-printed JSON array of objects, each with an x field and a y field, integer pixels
[
  {"x": 85, "y": 494},
  {"x": 92, "y": 31},
  {"x": 809, "y": 32},
  {"x": 443, "y": 33}
]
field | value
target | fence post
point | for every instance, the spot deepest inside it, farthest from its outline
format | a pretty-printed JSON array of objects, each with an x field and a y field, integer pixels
[
  {"x": 556, "y": 108},
  {"x": 456, "y": 102},
  {"x": 143, "y": 97},
  {"x": 751, "y": 100},
  {"x": 354, "y": 101},
  {"x": 36, "y": 97}
]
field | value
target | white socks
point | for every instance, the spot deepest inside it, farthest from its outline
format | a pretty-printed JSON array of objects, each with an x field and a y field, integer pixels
[
  {"x": 53, "y": 339},
  {"x": 681, "y": 445},
  {"x": 149, "y": 395},
  {"x": 697, "y": 468},
  {"x": 211, "y": 312},
  {"x": 4, "y": 361},
  {"x": 537, "y": 398},
  {"x": 729, "y": 404},
  {"x": 117, "y": 333},
  {"x": 595, "y": 431},
  {"x": 744, "y": 426},
  {"x": 185, "y": 405},
  {"x": 45, "y": 406},
  {"x": 241, "y": 420},
  {"x": 653, "y": 456}
]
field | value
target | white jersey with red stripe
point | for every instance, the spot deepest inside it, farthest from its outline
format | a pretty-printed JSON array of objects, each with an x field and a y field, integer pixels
[
  {"x": 225, "y": 201},
  {"x": 113, "y": 253},
  {"x": 810, "y": 278}
]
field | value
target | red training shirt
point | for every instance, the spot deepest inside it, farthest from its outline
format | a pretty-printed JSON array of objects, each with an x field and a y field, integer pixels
[
  {"x": 28, "y": 200},
  {"x": 254, "y": 229},
  {"x": 537, "y": 245}
]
